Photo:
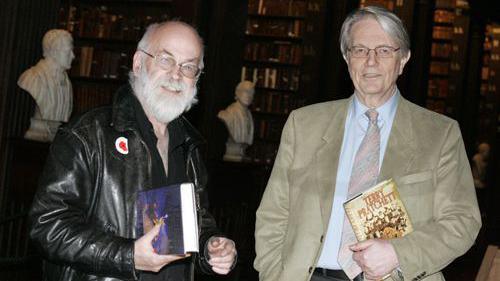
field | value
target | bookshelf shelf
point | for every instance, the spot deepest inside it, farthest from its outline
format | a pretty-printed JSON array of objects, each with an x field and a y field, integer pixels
[
  {"x": 105, "y": 41},
  {"x": 270, "y": 63},
  {"x": 437, "y": 75},
  {"x": 275, "y": 60},
  {"x": 441, "y": 40},
  {"x": 444, "y": 24},
  {"x": 270, "y": 114},
  {"x": 263, "y": 37},
  {"x": 437, "y": 98},
  {"x": 98, "y": 80},
  {"x": 281, "y": 17},
  {"x": 440, "y": 58},
  {"x": 277, "y": 89},
  {"x": 129, "y": 2}
]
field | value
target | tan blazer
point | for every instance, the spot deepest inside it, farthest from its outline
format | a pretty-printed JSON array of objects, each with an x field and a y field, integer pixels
[{"x": 426, "y": 157}]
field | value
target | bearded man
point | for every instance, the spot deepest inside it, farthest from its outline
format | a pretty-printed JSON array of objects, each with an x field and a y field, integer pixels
[{"x": 83, "y": 214}]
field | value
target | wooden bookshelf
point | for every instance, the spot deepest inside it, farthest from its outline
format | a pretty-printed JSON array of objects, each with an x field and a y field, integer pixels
[
  {"x": 273, "y": 58},
  {"x": 448, "y": 57},
  {"x": 105, "y": 35},
  {"x": 489, "y": 98}
]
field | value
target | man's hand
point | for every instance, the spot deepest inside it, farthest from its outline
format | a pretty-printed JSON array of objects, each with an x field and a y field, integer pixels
[
  {"x": 376, "y": 257},
  {"x": 145, "y": 257},
  {"x": 221, "y": 253}
]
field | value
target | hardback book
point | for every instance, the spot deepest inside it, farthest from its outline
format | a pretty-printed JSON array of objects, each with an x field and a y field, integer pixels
[
  {"x": 378, "y": 212},
  {"x": 174, "y": 208}
]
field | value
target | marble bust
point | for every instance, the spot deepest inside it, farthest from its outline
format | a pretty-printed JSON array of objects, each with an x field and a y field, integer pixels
[
  {"x": 479, "y": 165},
  {"x": 48, "y": 83},
  {"x": 238, "y": 120}
]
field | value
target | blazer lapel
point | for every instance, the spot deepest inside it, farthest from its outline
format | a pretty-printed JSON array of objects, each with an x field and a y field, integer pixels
[
  {"x": 327, "y": 158},
  {"x": 400, "y": 150}
]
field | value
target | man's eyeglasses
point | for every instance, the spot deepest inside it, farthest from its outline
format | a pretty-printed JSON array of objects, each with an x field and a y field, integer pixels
[
  {"x": 167, "y": 62},
  {"x": 380, "y": 51}
]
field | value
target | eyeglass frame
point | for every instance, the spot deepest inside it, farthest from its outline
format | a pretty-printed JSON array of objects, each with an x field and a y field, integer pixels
[
  {"x": 164, "y": 67},
  {"x": 393, "y": 50}
]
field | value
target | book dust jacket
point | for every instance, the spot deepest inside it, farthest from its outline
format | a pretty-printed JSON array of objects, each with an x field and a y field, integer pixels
[
  {"x": 378, "y": 213},
  {"x": 173, "y": 208}
]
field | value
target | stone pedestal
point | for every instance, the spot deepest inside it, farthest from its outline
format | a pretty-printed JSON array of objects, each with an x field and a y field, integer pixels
[
  {"x": 42, "y": 130},
  {"x": 234, "y": 151}
]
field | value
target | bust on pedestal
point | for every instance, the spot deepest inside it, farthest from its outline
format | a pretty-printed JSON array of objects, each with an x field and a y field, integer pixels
[
  {"x": 48, "y": 83},
  {"x": 239, "y": 122}
]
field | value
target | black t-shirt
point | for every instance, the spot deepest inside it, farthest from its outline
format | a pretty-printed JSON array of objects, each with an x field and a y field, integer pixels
[{"x": 176, "y": 174}]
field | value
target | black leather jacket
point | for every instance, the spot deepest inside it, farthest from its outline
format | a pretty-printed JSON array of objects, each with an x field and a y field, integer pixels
[{"x": 83, "y": 214}]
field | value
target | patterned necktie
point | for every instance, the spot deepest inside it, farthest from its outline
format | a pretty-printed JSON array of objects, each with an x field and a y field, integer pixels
[{"x": 364, "y": 175}]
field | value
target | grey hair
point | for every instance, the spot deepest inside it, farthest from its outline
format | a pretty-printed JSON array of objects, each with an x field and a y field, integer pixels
[
  {"x": 389, "y": 22},
  {"x": 53, "y": 40},
  {"x": 145, "y": 41}
]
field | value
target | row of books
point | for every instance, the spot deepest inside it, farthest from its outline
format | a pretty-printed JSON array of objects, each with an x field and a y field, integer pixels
[
  {"x": 272, "y": 78},
  {"x": 89, "y": 96},
  {"x": 100, "y": 63},
  {"x": 441, "y": 50},
  {"x": 278, "y": 7},
  {"x": 458, "y": 30},
  {"x": 438, "y": 88},
  {"x": 485, "y": 73},
  {"x": 269, "y": 129},
  {"x": 488, "y": 88},
  {"x": 443, "y": 16},
  {"x": 491, "y": 58},
  {"x": 388, "y": 4},
  {"x": 275, "y": 102},
  {"x": 275, "y": 27},
  {"x": 101, "y": 22},
  {"x": 446, "y": 4},
  {"x": 439, "y": 68},
  {"x": 438, "y": 106},
  {"x": 442, "y": 32},
  {"x": 276, "y": 51}
]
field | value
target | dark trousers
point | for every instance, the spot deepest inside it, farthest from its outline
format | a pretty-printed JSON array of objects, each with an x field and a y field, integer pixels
[{"x": 332, "y": 275}]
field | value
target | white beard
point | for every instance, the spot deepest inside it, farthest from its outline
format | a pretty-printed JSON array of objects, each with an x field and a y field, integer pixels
[{"x": 164, "y": 107}]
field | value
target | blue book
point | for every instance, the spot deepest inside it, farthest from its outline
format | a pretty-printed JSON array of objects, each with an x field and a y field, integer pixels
[{"x": 174, "y": 208}]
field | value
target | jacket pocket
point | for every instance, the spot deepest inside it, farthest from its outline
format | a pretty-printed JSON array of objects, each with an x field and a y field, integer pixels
[
  {"x": 417, "y": 193},
  {"x": 414, "y": 178}
]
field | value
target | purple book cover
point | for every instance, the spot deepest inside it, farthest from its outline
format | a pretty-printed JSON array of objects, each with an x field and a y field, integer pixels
[{"x": 164, "y": 206}]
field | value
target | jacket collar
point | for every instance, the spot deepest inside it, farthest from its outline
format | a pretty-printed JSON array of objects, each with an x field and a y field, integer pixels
[
  {"x": 327, "y": 157},
  {"x": 124, "y": 117},
  {"x": 401, "y": 147}
]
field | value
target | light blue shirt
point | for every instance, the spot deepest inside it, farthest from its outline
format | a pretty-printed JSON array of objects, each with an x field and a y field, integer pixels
[{"x": 355, "y": 129}]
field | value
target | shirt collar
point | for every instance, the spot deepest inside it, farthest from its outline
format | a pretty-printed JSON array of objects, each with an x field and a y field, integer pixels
[
  {"x": 385, "y": 112},
  {"x": 174, "y": 129}
]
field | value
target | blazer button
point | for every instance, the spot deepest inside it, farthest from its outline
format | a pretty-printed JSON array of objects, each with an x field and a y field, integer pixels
[
  {"x": 321, "y": 239},
  {"x": 310, "y": 269}
]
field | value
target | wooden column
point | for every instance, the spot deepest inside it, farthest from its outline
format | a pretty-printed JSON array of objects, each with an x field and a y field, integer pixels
[
  {"x": 334, "y": 81},
  {"x": 417, "y": 70},
  {"x": 224, "y": 41},
  {"x": 468, "y": 116}
]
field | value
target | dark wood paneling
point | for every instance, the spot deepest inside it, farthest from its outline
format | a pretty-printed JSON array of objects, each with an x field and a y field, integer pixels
[
  {"x": 335, "y": 82},
  {"x": 417, "y": 71},
  {"x": 24, "y": 22},
  {"x": 223, "y": 59}
]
